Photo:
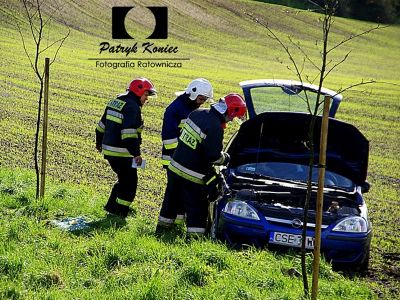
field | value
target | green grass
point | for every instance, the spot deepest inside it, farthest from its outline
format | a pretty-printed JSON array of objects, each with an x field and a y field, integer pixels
[
  {"x": 116, "y": 260},
  {"x": 226, "y": 47}
]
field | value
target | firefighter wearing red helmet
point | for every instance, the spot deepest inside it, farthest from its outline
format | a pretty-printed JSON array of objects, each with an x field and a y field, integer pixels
[
  {"x": 118, "y": 137},
  {"x": 199, "y": 149}
]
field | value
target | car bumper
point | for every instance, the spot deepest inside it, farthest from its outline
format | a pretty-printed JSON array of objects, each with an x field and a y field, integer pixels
[{"x": 346, "y": 248}]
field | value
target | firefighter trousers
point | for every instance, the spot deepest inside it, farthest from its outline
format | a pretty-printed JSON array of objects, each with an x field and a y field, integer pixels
[
  {"x": 191, "y": 196},
  {"x": 180, "y": 211},
  {"x": 124, "y": 190}
]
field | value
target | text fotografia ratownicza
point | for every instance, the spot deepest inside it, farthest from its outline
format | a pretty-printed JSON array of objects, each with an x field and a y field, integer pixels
[
  {"x": 138, "y": 64},
  {"x": 129, "y": 61}
]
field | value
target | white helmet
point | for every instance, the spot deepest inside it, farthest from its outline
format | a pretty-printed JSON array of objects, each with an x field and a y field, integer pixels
[{"x": 199, "y": 86}]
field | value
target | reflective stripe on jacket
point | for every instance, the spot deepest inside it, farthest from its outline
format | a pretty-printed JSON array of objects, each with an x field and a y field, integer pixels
[
  {"x": 199, "y": 146},
  {"x": 174, "y": 118},
  {"x": 119, "y": 129}
]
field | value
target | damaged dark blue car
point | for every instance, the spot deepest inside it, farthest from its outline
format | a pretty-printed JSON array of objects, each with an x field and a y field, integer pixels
[{"x": 266, "y": 180}]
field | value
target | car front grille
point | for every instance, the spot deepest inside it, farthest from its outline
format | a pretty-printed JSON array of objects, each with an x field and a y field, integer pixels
[
  {"x": 285, "y": 215},
  {"x": 290, "y": 223}
]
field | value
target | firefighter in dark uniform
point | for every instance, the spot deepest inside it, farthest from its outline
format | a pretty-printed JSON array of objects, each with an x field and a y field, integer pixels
[
  {"x": 197, "y": 92},
  {"x": 199, "y": 148},
  {"x": 118, "y": 136}
]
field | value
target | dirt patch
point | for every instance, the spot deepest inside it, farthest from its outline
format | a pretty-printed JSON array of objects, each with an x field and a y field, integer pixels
[{"x": 385, "y": 276}]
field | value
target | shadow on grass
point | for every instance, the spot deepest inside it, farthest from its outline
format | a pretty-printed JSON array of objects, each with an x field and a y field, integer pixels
[
  {"x": 170, "y": 235},
  {"x": 326, "y": 270}
]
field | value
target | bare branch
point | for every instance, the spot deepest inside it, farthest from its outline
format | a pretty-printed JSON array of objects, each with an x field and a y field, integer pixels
[
  {"x": 53, "y": 13},
  {"x": 55, "y": 42},
  {"x": 47, "y": 20},
  {"x": 303, "y": 65},
  {"x": 33, "y": 10},
  {"x": 59, "y": 47},
  {"x": 351, "y": 37},
  {"x": 355, "y": 85},
  {"x": 308, "y": 78},
  {"x": 315, "y": 78},
  {"x": 388, "y": 83},
  {"x": 297, "y": 45},
  {"x": 39, "y": 40},
  {"x": 372, "y": 81},
  {"x": 329, "y": 62},
  {"x": 337, "y": 64},
  {"x": 30, "y": 20},
  {"x": 272, "y": 34},
  {"x": 23, "y": 44}
]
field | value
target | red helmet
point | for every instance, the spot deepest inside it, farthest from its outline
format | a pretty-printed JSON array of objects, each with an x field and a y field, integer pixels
[
  {"x": 139, "y": 85},
  {"x": 236, "y": 107}
]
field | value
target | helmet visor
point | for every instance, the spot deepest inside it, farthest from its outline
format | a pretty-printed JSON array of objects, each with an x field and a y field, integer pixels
[
  {"x": 202, "y": 98},
  {"x": 240, "y": 120},
  {"x": 152, "y": 92}
]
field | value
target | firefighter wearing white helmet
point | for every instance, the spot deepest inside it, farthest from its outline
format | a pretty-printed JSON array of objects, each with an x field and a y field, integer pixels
[
  {"x": 191, "y": 168},
  {"x": 199, "y": 87},
  {"x": 197, "y": 92}
]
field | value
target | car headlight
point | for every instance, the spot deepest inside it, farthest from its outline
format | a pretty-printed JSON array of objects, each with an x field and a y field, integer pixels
[
  {"x": 352, "y": 224},
  {"x": 241, "y": 209}
]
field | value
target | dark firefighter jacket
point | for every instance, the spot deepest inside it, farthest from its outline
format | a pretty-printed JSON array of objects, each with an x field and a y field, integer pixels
[
  {"x": 200, "y": 146},
  {"x": 174, "y": 118},
  {"x": 119, "y": 130}
]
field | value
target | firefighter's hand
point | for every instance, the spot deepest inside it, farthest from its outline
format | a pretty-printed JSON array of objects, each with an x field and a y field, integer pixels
[
  {"x": 138, "y": 160},
  {"x": 98, "y": 148}
]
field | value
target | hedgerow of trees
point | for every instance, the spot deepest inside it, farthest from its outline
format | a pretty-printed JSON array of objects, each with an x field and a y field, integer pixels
[{"x": 381, "y": 11}]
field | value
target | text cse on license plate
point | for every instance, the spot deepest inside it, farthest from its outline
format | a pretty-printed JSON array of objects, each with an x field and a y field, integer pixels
[{"x": 288, "y": 239}]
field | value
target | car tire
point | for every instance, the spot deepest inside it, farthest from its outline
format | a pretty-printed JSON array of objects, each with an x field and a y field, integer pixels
[
  {"x": 364, "y": 263},
  {"x": 359, "y": 267}
]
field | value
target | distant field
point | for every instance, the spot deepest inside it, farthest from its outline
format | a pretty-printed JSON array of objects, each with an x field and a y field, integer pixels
[{"x": 226, "y": 47}]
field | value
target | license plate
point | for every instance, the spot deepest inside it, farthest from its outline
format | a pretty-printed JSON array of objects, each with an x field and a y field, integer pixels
[{"x": 291, "y": 240}]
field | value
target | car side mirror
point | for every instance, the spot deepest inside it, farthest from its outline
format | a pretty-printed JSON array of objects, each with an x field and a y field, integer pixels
[{"x": 365, "y": 187}]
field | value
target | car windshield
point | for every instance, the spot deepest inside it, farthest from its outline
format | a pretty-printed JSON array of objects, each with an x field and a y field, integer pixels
[
  {"x": 287, "y": 99},
  {"x": 294, "y": 172}
]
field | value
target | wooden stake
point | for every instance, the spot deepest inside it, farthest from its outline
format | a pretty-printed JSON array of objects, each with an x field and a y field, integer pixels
[
  {"x": 45, "y": 118},
  {"x": 320, "y": 198}
]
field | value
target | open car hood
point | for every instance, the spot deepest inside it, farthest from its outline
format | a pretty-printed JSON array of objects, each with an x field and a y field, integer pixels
[{"x": 284, "y": 139}]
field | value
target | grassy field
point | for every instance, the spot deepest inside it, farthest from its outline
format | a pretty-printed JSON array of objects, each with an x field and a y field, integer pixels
[
  {"x": 124, "y": 260},
  {"x": 224, "y": 46}
]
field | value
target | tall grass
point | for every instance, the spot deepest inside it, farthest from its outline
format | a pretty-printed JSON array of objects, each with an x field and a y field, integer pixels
[{"x": 115, "y": 259}]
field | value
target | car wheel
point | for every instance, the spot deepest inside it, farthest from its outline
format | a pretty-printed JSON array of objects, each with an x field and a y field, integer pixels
[
  {"x": 364, "y": 264},
  {"x": 359, "y": 267}
]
